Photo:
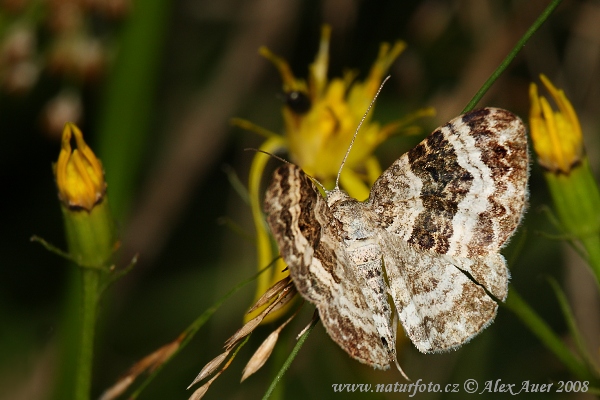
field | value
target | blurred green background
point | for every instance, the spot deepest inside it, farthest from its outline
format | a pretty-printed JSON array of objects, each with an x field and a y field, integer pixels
[{"x": 153, "y": 86}]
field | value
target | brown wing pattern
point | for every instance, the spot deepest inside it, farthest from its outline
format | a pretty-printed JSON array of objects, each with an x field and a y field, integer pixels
[
  {"x": 462, "y": 190},
  {"x": 308, "y": 240}
]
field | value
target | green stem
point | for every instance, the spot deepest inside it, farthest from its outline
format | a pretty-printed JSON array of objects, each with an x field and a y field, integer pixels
[
  {"x": 540, "y": 329},
  {"x": 90, "y": 239},
  {"x": 511, "y": 56},
  {"x": 572, "y": 325},
  {"x": 89, "y": 303}
]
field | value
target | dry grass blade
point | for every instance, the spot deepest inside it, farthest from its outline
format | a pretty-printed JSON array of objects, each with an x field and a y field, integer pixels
[
  {"x": 201, "y": 391},
  {"x": 283, "y": 291},
  {"x": 165, "y": 352},
  {"x": 270, "y": 293},
  {"x": 262, "y": 354},
  {"x": 286, "y": 295},
  {"x": 210, "y": 367},
  {"x": 244, "y": 330},
  {"x": 148, "y": 363},
  {"x": 117, "y": 389}
]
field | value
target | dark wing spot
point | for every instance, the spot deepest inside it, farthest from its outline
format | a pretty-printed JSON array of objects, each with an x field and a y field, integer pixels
[
  {"x": 445, "y": 183},
  {"x": 385, "y": 343}
]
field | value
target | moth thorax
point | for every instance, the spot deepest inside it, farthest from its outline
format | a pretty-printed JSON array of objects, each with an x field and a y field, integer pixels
[{"x": 336, "y": 196}]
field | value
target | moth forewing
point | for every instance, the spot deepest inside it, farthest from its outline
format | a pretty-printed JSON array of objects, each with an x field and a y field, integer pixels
[{"x": 437, "y": 218}]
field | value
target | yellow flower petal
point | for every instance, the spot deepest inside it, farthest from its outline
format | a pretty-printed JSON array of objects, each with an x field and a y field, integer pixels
[{"x": 318, "y": 69}]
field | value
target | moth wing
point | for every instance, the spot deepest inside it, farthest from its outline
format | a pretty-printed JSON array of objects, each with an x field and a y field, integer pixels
[
  {"x": 309, "y": 242},
  {"x": 439, "y": 306},
  {"x": 462, "y": 190}
]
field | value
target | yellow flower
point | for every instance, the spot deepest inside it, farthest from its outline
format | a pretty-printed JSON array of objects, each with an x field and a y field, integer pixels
[
  {"x": 320, "y": 118},
  {"x": 556, "y": 135},
  {"x": 558, "y": 142},
  {"x": 79, "y": 174}
]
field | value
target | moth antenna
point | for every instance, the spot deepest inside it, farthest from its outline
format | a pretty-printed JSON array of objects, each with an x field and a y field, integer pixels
[
  {"x": 400, "y": 369},
  {"x": 337, "y": 179},
  {"x": 269, "y": 154},
  {"x": 317, "y": 182},
  {"x": 287, "y": 162}
]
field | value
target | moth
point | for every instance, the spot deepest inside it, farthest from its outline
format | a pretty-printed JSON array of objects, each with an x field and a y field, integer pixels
[{"x": 424, "y": 248}]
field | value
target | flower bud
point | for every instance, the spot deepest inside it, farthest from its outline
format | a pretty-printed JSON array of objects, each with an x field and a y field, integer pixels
[{"x": 79, "y": 175}]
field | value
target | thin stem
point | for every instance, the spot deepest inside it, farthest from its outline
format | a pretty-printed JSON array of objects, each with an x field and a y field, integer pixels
[
  {"x": 543, "y": 332},
  {"x": 572, "y": 324},
  {"x": 511, "y": 56}
]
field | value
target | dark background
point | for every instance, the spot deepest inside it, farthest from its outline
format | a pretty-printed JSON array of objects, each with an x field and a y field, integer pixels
[{"x": 156, "y": 109}]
